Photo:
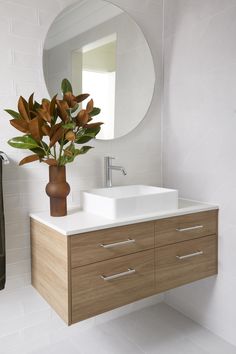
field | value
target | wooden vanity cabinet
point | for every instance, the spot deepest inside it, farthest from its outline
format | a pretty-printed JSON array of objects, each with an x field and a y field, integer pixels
[
  {"x": 184, "y": 262},
  {"x": 92, "y": 247},
  {"x": 94, "y": 290},
  {"x": 87, "y": 274},
  {"x": 186, "y": 249}
]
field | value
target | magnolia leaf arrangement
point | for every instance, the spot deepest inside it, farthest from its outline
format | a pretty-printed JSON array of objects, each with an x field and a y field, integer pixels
[{"x": 55, "y": 129}]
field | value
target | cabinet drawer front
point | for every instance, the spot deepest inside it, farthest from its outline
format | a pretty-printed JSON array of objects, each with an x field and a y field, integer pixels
[
  {"x": 110, "y": 243},
  {"x": 185, "y": 262},
  {"x": 185, "y": 227},
  {"x": 97, "y": 288}
]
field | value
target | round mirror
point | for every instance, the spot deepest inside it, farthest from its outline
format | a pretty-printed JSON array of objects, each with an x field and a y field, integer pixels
[{"x": 103, "y": 52}]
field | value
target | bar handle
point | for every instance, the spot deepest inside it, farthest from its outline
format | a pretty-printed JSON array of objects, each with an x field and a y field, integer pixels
[
  {"x": 198, "y": 253},
  {"x": 119, "y": 275},
  {"x": 190, "y": 228},
  {"x": 117, "y": 244}
]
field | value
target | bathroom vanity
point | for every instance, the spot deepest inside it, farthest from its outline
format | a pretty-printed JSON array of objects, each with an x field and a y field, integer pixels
[{"x": 85, "y": 265}]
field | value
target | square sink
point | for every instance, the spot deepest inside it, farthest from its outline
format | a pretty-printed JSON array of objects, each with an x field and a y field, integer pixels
[{"x": 129, "y": 201}]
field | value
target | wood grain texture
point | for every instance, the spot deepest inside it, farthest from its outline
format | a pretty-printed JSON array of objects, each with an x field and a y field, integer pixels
[
  {"x": 91, "y": 295},
  {"x": 67, "y": 270},
  {"x": 166, "y": 233},
  {"x": 172, "y": 272},
  {"x": 50, "y": 271},
  {"x": 86, "y": 248}
]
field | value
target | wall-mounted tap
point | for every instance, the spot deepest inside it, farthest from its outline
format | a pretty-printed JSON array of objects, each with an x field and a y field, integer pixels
[{"x": 108, "y": 167}]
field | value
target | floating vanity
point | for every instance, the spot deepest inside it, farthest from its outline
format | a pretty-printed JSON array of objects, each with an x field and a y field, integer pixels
[{"x": 84, "y": 264}]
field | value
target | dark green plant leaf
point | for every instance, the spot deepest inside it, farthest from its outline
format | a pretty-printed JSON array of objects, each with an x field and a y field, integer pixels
[
  {"x": 14, "y": 114},
  {"x": 92, "y": 131},
  {"x": 23, "y": 142},
  {"x": 39, "y": 152},
  {"x": 36, "y": 105},
  {"x": 74, "y": 109},
  {"x": 84, "y": 149},
  {"x": 82, "y": 97},
  {"x": 70, "y": 125},
  {"x": 83, "y": 139},
  {"x": 46, "y": 147},
  {"x": 66, "y": 86},
  {"x": 95, "y": 112},
  {"x": 85, "y": 135}
]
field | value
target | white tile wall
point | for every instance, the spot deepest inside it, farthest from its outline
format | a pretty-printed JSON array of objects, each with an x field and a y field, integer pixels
[
  {"x": 23, "y": 27},
  {"x": 199, "y": 140}
]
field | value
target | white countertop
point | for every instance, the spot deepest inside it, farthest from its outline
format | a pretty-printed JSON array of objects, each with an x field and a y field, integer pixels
[{"x": 77, "y": 221}]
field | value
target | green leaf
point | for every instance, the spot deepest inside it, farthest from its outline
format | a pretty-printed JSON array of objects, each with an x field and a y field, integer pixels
[
  {"x": 36, "y": 105},
  {"x": 83, "y": 139},
  {"x": 92, "y": 131},
  {"x": 70, "y": 125},
  {"x": 23, "y": 142},
  {"x": 74, "y": 109},
  {"x": 66, "y": 86},
  {"x": 95, "y": 112},
  {"x": 87, "y": 134},
  {"x": 84, "y": 149},
  {"x": 14, "y": 114},
  {"x": 39, "y": 152}
]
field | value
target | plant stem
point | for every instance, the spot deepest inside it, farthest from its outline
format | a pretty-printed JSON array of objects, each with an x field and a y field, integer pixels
[
  {"x": 61, "y": 148},
  {"x": 46, "y": 152},
  {"x": 55, "y": 152}
]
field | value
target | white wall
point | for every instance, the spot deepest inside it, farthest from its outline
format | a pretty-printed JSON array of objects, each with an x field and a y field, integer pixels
[
  {"x": 23, "y": 27},
  {"x": 200, "y": 143}
]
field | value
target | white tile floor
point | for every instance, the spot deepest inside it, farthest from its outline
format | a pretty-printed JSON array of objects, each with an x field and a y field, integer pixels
[{"x": 29, "y": 326}]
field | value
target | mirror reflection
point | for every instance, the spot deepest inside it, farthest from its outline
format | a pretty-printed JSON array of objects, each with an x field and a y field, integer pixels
[{"x": 103, "y": 52}]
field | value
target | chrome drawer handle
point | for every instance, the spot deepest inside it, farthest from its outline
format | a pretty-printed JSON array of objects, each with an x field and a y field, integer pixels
[
  {"x": 198, "y": 253},
  {"x": 117, "y": 244},
  {"x": 119, "y": 275},
  {"x": 190, "y": 228}
]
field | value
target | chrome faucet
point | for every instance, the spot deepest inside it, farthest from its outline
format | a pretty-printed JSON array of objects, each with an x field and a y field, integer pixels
[{"x": 108, "y": 170}]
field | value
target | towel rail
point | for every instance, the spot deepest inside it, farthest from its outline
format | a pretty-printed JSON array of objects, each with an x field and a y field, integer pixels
[{"x": 4, "y": 158}]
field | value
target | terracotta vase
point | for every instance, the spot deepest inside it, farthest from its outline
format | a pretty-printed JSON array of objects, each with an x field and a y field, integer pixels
[{"x": 57, "y": 189}]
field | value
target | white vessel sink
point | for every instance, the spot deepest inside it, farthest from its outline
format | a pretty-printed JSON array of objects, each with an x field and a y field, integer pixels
[{"x": 128, "y": 201}]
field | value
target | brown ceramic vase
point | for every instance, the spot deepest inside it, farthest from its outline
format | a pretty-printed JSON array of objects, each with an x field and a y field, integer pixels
[{"x": 57, "y": 189}]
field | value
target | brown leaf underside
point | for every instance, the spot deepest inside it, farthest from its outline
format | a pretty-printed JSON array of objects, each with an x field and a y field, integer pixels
[
  {"x": 29, "y": 159},
  {"x": 20, "y": 125},
  {"x": 57, "y": 136},
  {"x": 23, "y": 108},
  {"x": 50, "y": 162}
]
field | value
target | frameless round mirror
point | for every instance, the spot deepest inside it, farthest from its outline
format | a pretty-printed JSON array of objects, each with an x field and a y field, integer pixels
[{"x": 103, "y": 52}]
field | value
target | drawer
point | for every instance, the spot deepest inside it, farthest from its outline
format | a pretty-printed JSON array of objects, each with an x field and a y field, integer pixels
[
  {"x": 105, "y": 244},
  {"x": 185, "y": 227},
  {"x": 97, "y": 288},
  {"x": 185, "y": 262}
]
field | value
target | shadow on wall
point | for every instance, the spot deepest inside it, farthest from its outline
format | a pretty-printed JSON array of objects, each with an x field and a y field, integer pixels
[{"x": 204, "y": 292}]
